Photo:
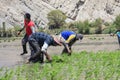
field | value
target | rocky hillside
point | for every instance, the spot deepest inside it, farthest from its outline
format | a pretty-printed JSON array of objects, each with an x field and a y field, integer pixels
[{"x": 12, "y": 11}]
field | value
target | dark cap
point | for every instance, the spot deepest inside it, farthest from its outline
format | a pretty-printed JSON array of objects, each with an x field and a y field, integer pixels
[
  {"x": 79, "y": 36},
  {"x": 27, "y": 15}
]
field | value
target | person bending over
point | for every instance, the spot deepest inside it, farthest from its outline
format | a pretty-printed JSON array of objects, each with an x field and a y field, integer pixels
[
  {"x": 68, "y": 38},
  {"x": 40, "y": 42}
]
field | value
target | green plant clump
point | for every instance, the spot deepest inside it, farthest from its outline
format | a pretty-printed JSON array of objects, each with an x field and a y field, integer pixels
[{"x": 78, "y": 66}]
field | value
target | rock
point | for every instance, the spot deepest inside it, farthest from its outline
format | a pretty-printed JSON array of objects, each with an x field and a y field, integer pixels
[{"x": 12, "y": 11}]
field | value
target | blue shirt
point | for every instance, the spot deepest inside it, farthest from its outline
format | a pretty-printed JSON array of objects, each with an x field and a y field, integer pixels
[
  {"x": 65, "y": 34},
  {"x": 41, "y": 37}
]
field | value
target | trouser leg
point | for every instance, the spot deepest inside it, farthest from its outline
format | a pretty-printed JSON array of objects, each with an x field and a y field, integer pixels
[
  {"x": 32, "y": 50},
  {"x": 37, "y": 56},
  {"x": 24, "y": 42},
  {"x": 24, "y": 49},
  {"x": 41, "y": 57},
  {"x": 71, "y": 43},
  {"x": 64, "y": 51},
  {"x": 119, "y": 41}
]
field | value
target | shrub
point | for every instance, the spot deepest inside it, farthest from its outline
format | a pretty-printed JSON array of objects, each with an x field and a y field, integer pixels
[
  {"x": 80, "y": 26},
  {"x": 83, "y": 27},
  {"x": 98, "y": 26},
  {"x": 110, "y": 29},
  {"x": 117, "y": 22},
  {"x": 56, "y": 19},
  {"x": 86, "y": 27}
]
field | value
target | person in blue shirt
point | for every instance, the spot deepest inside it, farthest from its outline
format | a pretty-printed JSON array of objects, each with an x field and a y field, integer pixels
[
  {"x": 40, "y": 42},
  {"x": 118, "y": 36},
  {"x": 68, "y": 38}
]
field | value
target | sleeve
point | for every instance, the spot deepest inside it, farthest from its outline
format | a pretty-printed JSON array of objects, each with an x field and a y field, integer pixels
[
  {"x": 32, "y": 29},
  {"x": 44, "y": 47},
  {"x": 61, "y": 39},
  {"x": 70, "y": 38}
]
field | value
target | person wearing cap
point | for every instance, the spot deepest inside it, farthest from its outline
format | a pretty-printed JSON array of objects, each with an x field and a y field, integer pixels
[
  {"x": 29, "y": 29},
  {"x": 40, "y": 42},
  {"x": 68, "y": 38}
]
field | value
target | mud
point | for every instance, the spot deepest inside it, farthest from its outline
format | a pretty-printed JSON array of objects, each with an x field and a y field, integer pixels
[{"x": 10, "y": 51}]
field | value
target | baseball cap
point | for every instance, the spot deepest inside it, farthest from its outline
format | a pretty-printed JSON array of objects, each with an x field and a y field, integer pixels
[{"x": 79, "y": 36}]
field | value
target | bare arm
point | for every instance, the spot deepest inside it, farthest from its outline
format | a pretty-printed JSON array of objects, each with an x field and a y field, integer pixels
[
  {"x": 67, "y": 47},
  {"x": 21, "y": 30}
]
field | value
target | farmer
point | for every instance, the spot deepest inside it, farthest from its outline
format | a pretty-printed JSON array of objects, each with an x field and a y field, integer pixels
[
  {"x": 68, "y": 38},
  {"x": 29, "y": 28},
  {"x": 40, "y": 42},
  {"x": 118, "y": 36}
]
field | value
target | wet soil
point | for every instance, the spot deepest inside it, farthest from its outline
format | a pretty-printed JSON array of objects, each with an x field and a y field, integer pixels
[{"x": 10, "y": 51}]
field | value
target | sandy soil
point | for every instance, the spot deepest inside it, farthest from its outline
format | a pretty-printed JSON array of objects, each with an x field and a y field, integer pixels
[{"x": 10, "y": 51}]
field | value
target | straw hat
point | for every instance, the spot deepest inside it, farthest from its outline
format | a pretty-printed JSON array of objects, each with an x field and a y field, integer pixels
[{"x": 56, "y": 41}]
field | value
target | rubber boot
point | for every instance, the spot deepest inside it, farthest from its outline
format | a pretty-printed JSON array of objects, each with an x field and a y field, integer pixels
[
  {"x": 41, "y": 57},
  {"x": 24, "y": 50}
]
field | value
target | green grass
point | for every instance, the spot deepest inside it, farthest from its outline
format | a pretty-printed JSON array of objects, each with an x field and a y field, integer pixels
[{"x": 78, "y": 66}]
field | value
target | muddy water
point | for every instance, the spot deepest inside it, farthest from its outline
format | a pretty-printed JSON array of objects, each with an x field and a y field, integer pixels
[{"x": 10, "y": 51}]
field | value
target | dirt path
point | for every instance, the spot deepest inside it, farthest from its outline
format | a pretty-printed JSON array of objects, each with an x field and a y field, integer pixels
[{"x": 10, "y": 51}]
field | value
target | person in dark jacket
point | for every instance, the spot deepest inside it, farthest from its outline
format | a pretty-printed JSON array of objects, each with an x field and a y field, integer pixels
[
  {"x": 68, "y": 38},
  {"x": 40, "y": 42}
]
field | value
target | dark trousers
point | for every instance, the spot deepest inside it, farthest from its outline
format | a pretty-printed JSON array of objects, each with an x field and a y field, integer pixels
[
  {"x": 24, "y": 42},
  {"x": 69, "y": 45},
  {"x": 118, "y": 40},
  {"x": 37, "y": 55}
]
